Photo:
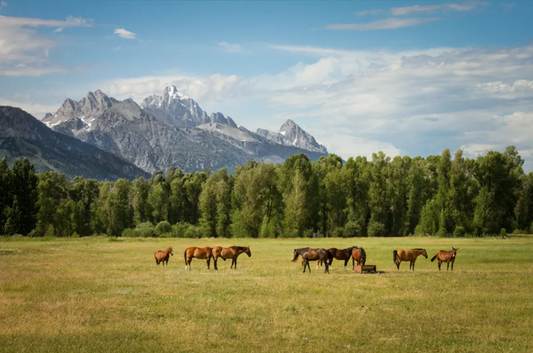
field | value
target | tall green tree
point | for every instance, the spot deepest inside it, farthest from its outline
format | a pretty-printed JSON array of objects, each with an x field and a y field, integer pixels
[{"x": 22, "y": 215}]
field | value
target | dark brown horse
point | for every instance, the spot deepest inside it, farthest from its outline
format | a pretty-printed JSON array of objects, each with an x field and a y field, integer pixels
[
  {"x": 230, "y": 253},
  {"x": 309, "y": 254},
  {"x": 199, "y": 253},
  {"x": 359, "y": 255},
  {"x": 446, "y": 256},
  {"x": 163, "y": 255},
  {"x": 408, "y": 255},
  {"x": 339, "y": 254}
]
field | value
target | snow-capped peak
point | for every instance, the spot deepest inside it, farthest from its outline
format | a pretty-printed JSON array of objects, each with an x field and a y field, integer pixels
[{"x": 171, "y": 92}]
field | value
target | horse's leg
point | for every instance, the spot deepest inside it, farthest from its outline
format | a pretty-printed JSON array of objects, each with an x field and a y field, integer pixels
[
  {"x": 235, "y": 263},
  {"x": 215, "y": 263},
  {"x": 353, "y": 264},
  {"x": 397, "y": 264},
  {"x": 346, "y": 263},
  {"x": 447, "y": 265},
  {"x": 318, "y": 263},
  {"x": 453, "y": 260},
  {"x": 440, "y": 263},
  {"x": 327, "y": 267},
  {"x": 305, "y": 264}
]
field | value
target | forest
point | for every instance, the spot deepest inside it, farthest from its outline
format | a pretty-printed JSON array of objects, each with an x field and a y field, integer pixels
[{"x": 381, "y": 197}]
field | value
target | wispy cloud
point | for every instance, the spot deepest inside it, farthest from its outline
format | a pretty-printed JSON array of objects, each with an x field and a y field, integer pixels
[
  {"x": 388, "y": 23},
  {"x": 122, "y": 33},
  {"x": 369, "y": 12},
  {"x": 25, "y": 52},
  {"x": 230, "y": 47},
  {"x": 409, "y": 10},
  {"x": 2, "y": 5}
]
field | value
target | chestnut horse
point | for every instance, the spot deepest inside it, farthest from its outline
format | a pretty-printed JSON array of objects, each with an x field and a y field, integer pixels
[
  {"x": 359, "y": 255},
  {"x": 162, "y": 256},
  {"x": 199, "y": 253},
  {"x": 339, "y": 254},
  {"x": 230, "y": 253},
  {"x": 408, "y": 255},
  {"x": 309, "y": 254},
  {"x": 446, "y": 256}
]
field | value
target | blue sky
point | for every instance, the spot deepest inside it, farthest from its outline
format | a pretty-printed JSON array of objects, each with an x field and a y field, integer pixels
[{"x": 408, "y": 78}]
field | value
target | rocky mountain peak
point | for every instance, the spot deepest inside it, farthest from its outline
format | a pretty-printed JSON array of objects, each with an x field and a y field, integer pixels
[{"x": 291, "y": 134}]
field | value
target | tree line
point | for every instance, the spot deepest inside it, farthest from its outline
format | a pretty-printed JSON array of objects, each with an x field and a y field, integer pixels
[{"x": 384, "y": 196}]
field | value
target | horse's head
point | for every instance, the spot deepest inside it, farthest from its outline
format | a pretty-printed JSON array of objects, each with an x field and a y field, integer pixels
[
  {"x": 454, "y": 251},
  {"x": 248, "y": 252},
  {"x": 171, "y": 251},
  {"x": 296, "y": 254},
  {"x": 424, "y": 253}
]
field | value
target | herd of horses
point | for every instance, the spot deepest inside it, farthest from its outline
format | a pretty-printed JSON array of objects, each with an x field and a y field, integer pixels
[{"x": 322, "y": 256}]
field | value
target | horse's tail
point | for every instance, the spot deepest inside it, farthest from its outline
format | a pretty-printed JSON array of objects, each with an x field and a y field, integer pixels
[
  {"x": 185, "y": 256},
  {"x": 394, "y": 256},
  {"x": 433, "y": 258}
]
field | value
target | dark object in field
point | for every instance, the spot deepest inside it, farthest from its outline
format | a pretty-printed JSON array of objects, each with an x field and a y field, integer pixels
[
  {"x": 163, "y": 255},
  {"x": 309, "y": 254},
  {"x": 339, "y": 254},
  {"x": 199, "y": 253},
  {"x": 364, "y": 268},
  {"x": 408, "y": 255},
  {"x": 359, "y": 255},
  {"x": 446, "y": 256},
  {"x": 230, "y": 253}
]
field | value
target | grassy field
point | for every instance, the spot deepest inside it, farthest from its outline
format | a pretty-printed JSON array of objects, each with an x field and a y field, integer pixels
[{"x": 97, "y": 295}]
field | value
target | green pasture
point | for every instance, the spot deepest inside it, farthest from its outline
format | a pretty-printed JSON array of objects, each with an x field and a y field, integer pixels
[{"x": 99, "y": 295}]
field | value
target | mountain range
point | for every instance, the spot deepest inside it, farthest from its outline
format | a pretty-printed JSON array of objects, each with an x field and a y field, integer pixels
[
  {"x": 172, "y": 130},
  {"x": 23, "y": 136}
]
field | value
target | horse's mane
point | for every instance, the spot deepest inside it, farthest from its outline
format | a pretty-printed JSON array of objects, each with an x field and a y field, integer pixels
[
  {"x": 241, "y": 247},
  {"x": 350, "y": 248},
  {"x": 417, "y": 249}
]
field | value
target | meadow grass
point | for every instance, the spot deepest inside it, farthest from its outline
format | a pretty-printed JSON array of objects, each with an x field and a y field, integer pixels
[{"x": 97, "y": 295}]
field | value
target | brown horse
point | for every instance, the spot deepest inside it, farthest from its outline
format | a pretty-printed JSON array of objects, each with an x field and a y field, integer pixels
[
  {"x": 446, "y": 256},
  {"x": 359, "y": 255},
  {"x": 199, "y": 253},
  {"x": 408, "y": 255},
  {"x": 339, "y": 254},
  {"x": 309, "y": 254},
  {"x": 230, "y": 253},
  {"x": 162, "y": 256}
]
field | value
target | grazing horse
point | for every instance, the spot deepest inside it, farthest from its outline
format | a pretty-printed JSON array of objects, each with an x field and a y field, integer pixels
[
  {"x": 163, "y": 255},
  {"x": 199, "y": 253},
  {"x": 339, "y": 254},
  {"x": 309, "y": 254},
  {"x": 359, "y": 255},
  {"x": 408, "y": 255},
  {"x": 446, "y": 256},
  {"x": 230, "y": 253}
]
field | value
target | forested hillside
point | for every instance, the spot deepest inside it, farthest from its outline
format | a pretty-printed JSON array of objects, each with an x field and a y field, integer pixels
[{"x": 439, "y": 195}]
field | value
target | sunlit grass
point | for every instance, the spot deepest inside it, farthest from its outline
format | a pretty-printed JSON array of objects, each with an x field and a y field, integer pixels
[{"x": 97, "y": 295}]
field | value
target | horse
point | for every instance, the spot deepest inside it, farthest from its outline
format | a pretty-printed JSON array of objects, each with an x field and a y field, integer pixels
[
  {"x": 162, "y": 256},
  {"x": 339, "y": 254},
  {"x": 446, "y": 256},
  {"x": 230, "y": 253},
  {"x": 408, "y": 255},
  {"x": 359, "y": 255},
  {"x": 199, "y": 253},
  {"x": 309, "y": 254}
]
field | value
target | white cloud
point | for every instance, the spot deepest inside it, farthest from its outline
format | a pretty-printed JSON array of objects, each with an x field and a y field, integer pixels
[
  {"x": 216, "y": 87},
  {"x": 122, "y": 33},
  {"x": 369, "y": 12},
  {"x": 388, "y": 23},
  {"x": 24, "y": 52},
  {"x": 230, "y": 48},
  {"x": 465, "y": 6},
  {"x": 2, "y": 5},
  {"x": 35, "y": 109}
]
